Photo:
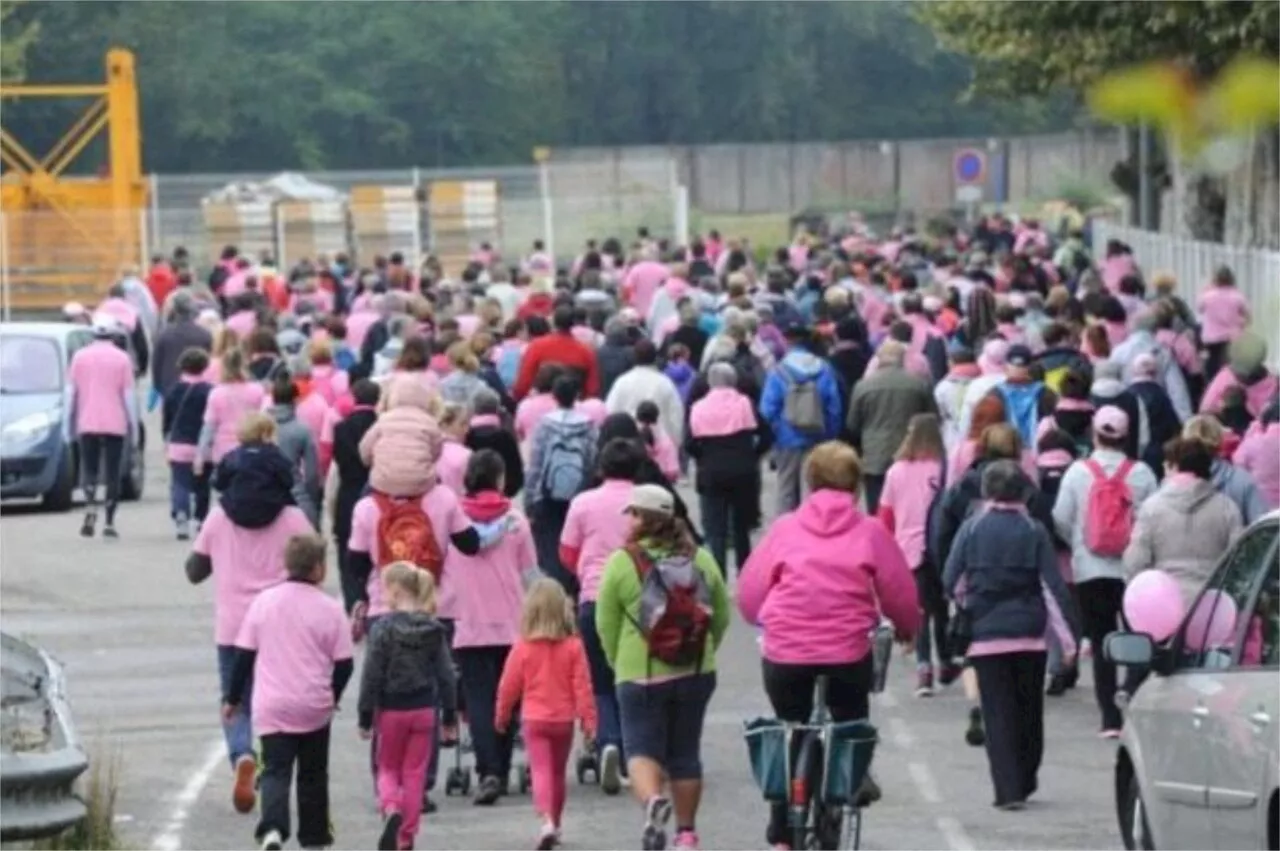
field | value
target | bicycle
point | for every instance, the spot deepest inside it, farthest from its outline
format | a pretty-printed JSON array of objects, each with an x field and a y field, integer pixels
[{"x": 821, "y": 784}]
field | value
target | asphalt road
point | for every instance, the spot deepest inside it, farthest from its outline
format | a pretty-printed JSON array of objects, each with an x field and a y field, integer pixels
[{"x": 136, "y": 641}]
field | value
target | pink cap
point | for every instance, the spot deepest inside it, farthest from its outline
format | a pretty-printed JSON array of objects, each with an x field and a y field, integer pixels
[{"x": 1111, "y": 422}]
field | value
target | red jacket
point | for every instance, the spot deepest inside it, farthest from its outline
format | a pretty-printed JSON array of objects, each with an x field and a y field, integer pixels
[
  {"x": 550, "y": 680},
  {"x": 538, "y": 304},
  {"x": 562, "y": 348}
]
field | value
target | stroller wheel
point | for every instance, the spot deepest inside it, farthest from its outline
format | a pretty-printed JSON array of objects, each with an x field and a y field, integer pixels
[{"x": 588, "y": 766}]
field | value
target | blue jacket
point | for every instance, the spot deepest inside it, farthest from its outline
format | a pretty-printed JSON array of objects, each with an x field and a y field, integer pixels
[{"x": 802, "y": 366}]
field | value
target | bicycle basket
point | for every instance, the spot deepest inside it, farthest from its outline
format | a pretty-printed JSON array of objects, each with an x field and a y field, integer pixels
[
  {"x": 849, "y": 748},
  {"x": 769, "y": 755}
]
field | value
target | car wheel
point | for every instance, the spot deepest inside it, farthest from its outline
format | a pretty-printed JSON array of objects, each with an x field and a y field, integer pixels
[
  {"x": 59, "y": 497},
  {"x": 1133, "y": 819},
  {"x": 136, "y": 475}
]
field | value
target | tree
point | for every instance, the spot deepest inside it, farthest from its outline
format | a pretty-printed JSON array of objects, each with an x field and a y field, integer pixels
[
  {"x": 1022, "y": 48},
  {"x": 16, "y": 39}
]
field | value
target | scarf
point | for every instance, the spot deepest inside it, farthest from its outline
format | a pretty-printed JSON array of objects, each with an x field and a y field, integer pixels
[{"x": 485, "y": 506}]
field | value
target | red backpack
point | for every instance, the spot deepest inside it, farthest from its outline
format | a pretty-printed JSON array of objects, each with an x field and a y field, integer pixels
[
  {"x": 1108, "y": 520},
  {"x": 405, "y": 534},
  {"x": 675, "y": 608}
]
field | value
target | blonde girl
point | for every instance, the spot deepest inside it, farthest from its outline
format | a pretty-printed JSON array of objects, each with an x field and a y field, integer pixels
[
  {"x": 546, "y": 673},
  {"x": 916, "y": 477},
  {"x": 454, "y": 454},
  {"x": 408, "y": 672}
]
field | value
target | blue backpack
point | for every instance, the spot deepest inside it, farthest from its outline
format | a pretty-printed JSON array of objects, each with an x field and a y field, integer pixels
[
  {"x": 1022, "y": 408},
  {"x": 508, "y": 365}
]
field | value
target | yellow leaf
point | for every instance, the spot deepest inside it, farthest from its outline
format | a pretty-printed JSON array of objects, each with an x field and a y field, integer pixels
[
  {"x": 1246, "y": 93},
  {"x": 1157, "y": 94}
]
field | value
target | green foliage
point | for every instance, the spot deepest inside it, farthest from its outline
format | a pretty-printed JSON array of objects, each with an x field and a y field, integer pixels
[
  {"x": 99, "y": 790},
  {"x": 233, "y": 86},
  {"x": 16, "y": 38},
  {"x": 1029, "y": 48}
]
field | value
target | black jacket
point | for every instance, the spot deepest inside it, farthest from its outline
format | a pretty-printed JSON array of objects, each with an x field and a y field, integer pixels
[
  {"x": 256, "y": 483},
  {"x": 353, "y": 473},
  {"x": 614, "y": 358},
  {"x": 958, "y": 501},
  {"x": 503, "y": 442},
  {"x": 171, "y": 342},
  {"x": 182, "y": 415},
  {"x": 1163, "y": 424},
  {"x": 407, "y": 666}
]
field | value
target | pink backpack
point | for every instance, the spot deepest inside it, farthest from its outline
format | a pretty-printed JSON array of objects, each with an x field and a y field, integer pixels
[{"x": 1108, "y": 520}]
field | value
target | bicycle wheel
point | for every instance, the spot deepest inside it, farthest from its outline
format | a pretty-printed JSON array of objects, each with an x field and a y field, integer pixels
[{"x": 806, "y": 784}]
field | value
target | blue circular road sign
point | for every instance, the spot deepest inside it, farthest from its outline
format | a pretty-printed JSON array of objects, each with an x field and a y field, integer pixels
[{"x": 970, "y": 166}]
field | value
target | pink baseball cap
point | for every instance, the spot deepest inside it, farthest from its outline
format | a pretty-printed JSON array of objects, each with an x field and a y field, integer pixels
[{"x": 1111, "y": 422}]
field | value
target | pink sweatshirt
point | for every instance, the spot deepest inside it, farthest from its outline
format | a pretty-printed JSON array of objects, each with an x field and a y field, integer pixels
[
  {"x": 819, "y": 580},
  {"x": 101, "y": 378},
  {"x": 663, "y": 452},
  {"x": 909, "y": 487},
  {"x": 641, "y": 284},
  {"x": 550, "y": 680},
  {"x": 452, "y": 466},
  {"x": 228, "y": 403},
  {"x": 1224, "y": 314},
  {"x": 1259, "y": 453}
]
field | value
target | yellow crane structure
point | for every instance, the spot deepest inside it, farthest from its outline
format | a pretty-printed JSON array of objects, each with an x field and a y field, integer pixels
[{"x": 67, "y": 237}]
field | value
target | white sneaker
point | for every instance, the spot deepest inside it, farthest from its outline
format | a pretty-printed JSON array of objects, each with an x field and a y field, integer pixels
[
  {"x": 272, "y": 841},
  {"x": 610, "y": 770}
]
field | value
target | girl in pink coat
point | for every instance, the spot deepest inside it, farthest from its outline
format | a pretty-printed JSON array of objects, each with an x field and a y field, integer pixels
[{"x": 403, "y": 446}]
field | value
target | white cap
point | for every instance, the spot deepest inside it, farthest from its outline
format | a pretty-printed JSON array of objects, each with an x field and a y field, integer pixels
[{"x": 654, "y": 498}]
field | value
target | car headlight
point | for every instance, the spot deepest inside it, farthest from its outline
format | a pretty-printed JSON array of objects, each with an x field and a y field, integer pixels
[{"x": 32, "y": 428}]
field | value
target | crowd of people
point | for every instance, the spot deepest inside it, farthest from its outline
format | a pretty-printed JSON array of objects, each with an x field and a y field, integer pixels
[{"x": 980, "y": 438}]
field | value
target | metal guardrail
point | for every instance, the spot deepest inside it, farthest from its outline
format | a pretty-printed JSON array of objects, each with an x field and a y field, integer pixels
[{"x": 40, "y": 753}]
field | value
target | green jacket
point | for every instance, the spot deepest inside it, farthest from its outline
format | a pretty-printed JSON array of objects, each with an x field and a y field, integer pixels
[{"x": 618, "y": 608}]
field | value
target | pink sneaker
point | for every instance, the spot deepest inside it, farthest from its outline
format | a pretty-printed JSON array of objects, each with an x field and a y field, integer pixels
[{"x": 686, "y": 839}]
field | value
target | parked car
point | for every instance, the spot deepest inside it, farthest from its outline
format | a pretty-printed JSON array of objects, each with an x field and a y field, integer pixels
[
  {"x": 38, "y": 458},
  {"x": 1199, "y": 756}
]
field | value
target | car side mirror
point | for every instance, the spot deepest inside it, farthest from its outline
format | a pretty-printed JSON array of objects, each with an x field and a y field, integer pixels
[{"x": 1131, "y": 649}]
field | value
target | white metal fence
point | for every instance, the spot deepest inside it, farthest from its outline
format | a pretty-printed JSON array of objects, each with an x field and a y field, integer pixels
[{"x": 1193, "y": 263}]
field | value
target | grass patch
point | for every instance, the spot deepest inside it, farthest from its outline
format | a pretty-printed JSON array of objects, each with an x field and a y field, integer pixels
[
  {"x": 762, "y": 229},
  {"x": 99, "y": 788}
]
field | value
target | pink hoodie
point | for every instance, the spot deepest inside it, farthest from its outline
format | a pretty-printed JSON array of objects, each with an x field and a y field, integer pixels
[
  {"x": 1259, "y": 453},
  {"x": 228, "y": 403},
  {"x": 452, "y": 466},
  {"x": 664, "y": 454},
  {"x": 819, "y": 580},
  {"x": 723, "y": 411}
]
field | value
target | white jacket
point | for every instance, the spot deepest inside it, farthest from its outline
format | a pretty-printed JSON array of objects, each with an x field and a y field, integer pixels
[
  {"x": 1072, "y": 506},
  {"x": 648, "y": 384}
]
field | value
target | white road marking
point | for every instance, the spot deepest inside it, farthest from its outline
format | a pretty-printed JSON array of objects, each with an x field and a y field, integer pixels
[
  {"x": 170, "y": 839},
  {"x": 901, "y": 734},
  {"x": 957, "y": 837},
  {"x": 923, "y": 778}
]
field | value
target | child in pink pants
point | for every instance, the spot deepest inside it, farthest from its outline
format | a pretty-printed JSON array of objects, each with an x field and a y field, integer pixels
[
  {"x": 547, "y": 674},
  {"x": 407, "y": 671}
]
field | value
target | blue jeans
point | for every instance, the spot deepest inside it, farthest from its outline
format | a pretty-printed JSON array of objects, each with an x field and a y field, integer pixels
[
  {"x": 602, "y": 685},
  {"x": 184, "y": 488},
  {"x": 238, "y": 731}
]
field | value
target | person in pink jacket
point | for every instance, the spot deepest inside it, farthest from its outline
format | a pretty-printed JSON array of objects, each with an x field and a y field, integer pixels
[
  {"x": 547, "y": 674},
  {"x": 1246, "y": 369},
  {"x": 1224, "y": 314},
  {"x": 1259, "y": 454},
  {"x": 403, "y": 446},
  {"x": 818, "y": 584}
]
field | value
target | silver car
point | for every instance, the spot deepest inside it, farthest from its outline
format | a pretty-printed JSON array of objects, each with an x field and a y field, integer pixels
[{"x": 1198, "y": 760}]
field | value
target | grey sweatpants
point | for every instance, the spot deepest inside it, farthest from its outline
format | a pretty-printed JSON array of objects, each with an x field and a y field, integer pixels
[{"x": 790, "y": 464}]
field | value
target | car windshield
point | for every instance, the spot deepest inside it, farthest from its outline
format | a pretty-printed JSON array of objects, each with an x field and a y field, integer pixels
[{"x": 29, "y": 365}]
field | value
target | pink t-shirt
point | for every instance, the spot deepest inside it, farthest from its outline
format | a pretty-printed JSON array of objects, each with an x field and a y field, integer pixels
[
  {"x": 298, "y": 632},
  {"x": 100, "y": 375},
  {"x": 909, "y": 487},
  {"x": 486, "y": 591},
  {"x": 228, "y": 405},
  {"x": 529, "y": 412},
  {"x": 593, "y": 409},
  {"x": 452, "y": 464},
  {"x": 312, "y": 412},
  {"x": 641, "y": 284},
  {"x": 1224, "y": 313},
  {"x": 664, "y": 454},
  {"x": 442, "y": 509},
  {"x": 596, "y": 527},
  {"x": 245, "y": 562}
]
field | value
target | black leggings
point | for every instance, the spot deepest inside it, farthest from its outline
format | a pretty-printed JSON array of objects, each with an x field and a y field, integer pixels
[
  {"x": 791, "y": 691},
  {"x": 1100, "y": 604},
  {"x": 100, "y": 455}
]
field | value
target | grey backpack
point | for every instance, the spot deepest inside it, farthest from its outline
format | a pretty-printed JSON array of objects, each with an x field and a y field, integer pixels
[{"x": 802, "y": 405}]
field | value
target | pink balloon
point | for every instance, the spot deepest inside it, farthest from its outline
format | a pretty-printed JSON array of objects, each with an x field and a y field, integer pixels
[
  {"x": 1153, "y": 604},
  {"x": 1213, "y": 622}
]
